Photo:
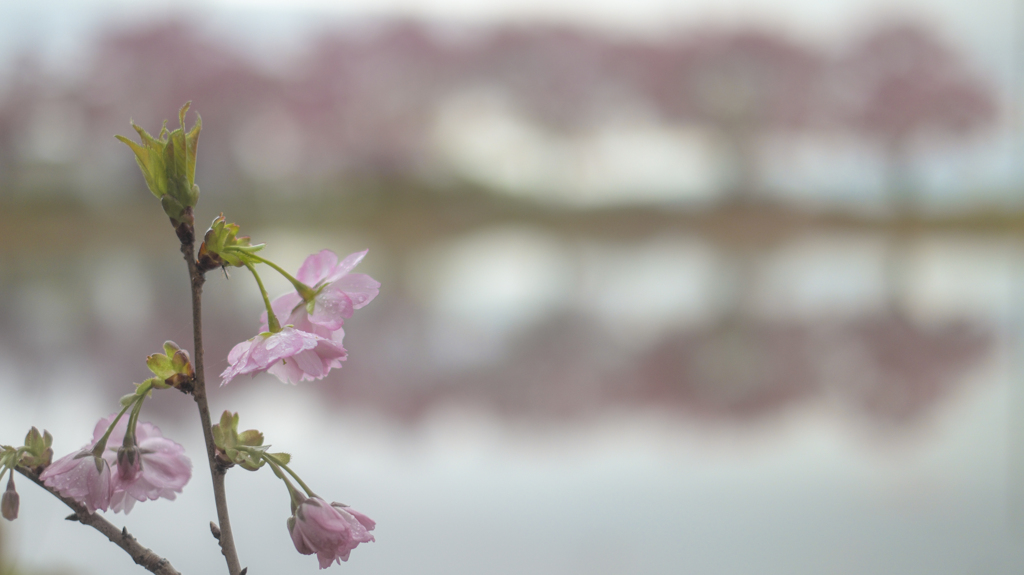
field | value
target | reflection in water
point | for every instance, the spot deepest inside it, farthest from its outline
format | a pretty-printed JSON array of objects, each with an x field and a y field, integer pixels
[
  {"x": 530, "y": 322},
  {"x": 882, "y": 367},
  {"x": 506, "y": 371}
]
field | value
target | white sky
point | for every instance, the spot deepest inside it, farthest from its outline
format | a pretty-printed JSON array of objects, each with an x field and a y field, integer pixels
[{"x": 983, "y": 27}]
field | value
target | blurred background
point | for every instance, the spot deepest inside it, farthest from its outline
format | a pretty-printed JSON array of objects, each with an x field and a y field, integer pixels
[{"x": 714, "y": 287}]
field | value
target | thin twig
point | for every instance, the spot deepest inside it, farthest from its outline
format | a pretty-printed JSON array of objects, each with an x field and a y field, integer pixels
[
  {"x": 227, "y": 542},
  {"x": 120, "y": 537}
]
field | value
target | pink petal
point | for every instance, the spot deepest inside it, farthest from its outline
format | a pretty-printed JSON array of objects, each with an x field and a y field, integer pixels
[
  {"x": 287, "y": 372},
  {"x": 165, "y": 466},
  {"x": 116, "y": 436},
  {"x": 238, "y": 351},
  {"x": 317, "y": 267},
  {"x": 331, "y": 307},
  {"x": 310, "y": 364},
  {"x": 346, "y": 265},
  {"x": 368, "y": 523},
  {"x": 281, "y": 345},
  {"x": 361, "y": 288}
]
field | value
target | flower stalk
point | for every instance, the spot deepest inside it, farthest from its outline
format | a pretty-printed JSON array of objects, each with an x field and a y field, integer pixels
[
  {"x": 274, "y": 325},
  {"x": 304, "y": 290}
]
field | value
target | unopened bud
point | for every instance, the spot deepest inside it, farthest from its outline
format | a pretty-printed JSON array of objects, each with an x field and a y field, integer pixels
[
  {"x": 10, "y": 501},
  {"x": 129, "y": 463}
]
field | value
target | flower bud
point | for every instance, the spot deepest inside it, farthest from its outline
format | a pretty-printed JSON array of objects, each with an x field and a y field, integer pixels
[
  {"x": 129, "y": 463},
  {"x": 329, "y": 531},
  {"x": 10, "y": 501}
]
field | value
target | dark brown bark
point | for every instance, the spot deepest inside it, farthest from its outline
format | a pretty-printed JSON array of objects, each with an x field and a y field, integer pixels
[
  {"x": 227, "y": 542},
  {"x": 140, "y": 554}
]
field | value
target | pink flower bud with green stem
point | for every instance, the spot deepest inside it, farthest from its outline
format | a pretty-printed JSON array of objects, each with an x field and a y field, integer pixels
[
  {"x": 291, "y": 354},
  {"x": 329, "y": 530}
]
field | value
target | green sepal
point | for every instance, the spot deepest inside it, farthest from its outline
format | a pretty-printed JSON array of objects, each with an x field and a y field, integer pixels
[{"x": 128, "y": 399}]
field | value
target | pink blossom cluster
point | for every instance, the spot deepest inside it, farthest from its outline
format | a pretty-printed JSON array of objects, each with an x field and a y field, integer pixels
[
  {"x": 157, "y": 468},
  {"x": 331, "y": 530},
  {"x": 310, "y": 343}
]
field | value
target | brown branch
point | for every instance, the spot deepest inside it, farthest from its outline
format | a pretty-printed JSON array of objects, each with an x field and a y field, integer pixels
[
  {"x": 227, "y": 542},
  {"x": 120, "y": 537}
]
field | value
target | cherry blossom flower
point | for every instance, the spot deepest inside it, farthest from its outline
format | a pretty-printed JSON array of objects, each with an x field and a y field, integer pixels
[
  {"x": 338, "y": 293},
  {"x": 159, "y": 469},
  {"x": 156, "y": 467},
  {"x": 331, "y": 531},
  {"x": 83, "y": 477},
  {"x": 291, "y": 354}
]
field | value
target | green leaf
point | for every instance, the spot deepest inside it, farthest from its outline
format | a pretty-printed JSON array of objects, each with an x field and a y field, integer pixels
[
  {"x": 218, "y": 437},
  {"x": 250, "y": 463},
  {"x": 172, "y": 208},
  {"x": 170, "y": 348},
  {"x": 160, "y": 365},
  {"x": 34, "y": 441},
  {"x": 282, "y": 458},
  {"x": 252, "y": 438},
  {"x": 168, "y": 165},
  {"x": 181, "y": 363},
  {"x": 225, "y": 434},
  {"x": 191, "y": 146}
]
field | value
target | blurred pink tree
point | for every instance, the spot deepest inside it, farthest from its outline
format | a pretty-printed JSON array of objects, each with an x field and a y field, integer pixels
[
  {"x": 742, "y": 84},
  {"x": 905, "y": 84}
]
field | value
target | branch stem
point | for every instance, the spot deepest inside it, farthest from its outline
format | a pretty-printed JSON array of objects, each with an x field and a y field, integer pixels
[
  {"x": 140, "y": 554},
  {"x": 227, "y": 542}
]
